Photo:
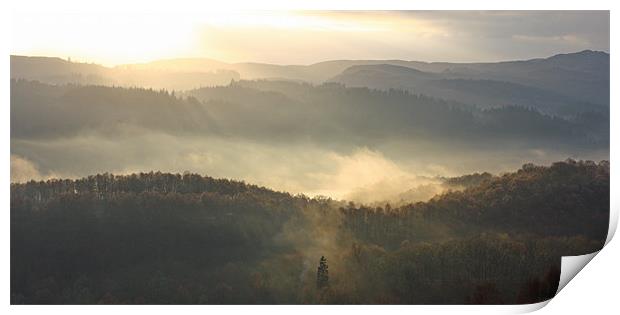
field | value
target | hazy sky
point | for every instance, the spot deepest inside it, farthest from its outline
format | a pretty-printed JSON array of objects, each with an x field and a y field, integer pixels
[{"x": 305, "y": 37}]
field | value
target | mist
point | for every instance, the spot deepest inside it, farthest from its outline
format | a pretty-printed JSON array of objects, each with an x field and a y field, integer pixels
[{"x": 359, "y": 174}]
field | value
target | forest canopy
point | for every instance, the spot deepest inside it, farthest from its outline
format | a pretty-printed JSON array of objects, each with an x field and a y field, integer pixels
[{"x": 172, "y": 238}]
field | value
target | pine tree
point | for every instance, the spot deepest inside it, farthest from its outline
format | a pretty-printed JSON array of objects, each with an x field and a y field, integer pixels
[{"x": 322, "y": 274}]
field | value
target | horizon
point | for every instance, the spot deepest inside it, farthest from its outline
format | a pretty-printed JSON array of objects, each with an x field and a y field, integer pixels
[{"x": 72, "y": 60}]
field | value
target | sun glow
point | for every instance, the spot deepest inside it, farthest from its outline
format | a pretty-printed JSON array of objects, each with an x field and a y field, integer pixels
[
  {"x": 112, "y": 38},
  {"x": 102, "y": 38}
]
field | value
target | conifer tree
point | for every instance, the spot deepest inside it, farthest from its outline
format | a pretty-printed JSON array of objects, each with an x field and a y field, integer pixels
[{"x": 322, "y": 274}]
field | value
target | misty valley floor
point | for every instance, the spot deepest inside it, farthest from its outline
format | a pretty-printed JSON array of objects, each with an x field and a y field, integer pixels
[{"x": 160, "y": 238}]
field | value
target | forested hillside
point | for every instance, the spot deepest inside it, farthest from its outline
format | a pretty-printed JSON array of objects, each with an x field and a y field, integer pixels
[
  {"x": 169, "y": 238},
  {"x": 290, "y": 112}
]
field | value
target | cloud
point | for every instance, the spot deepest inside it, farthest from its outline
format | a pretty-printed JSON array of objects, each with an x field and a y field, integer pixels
[
  {"x": 564, "y": 39},
  {"x": 310, "y": 36}
]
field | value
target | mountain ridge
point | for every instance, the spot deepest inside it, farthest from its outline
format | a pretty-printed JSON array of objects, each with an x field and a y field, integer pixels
[
  {"x": 570, "y": 83},
  {"x": 412, "y": 63}
]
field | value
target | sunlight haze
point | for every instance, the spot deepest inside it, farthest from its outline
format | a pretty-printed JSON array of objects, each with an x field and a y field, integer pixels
[{"x": 292, "y": 37}]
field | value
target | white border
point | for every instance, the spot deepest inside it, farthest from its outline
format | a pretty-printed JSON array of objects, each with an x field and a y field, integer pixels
[{"x": 592, "y": 289}]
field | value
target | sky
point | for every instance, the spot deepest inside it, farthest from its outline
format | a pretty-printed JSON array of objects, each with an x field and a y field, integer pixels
[{"x": 303, "y": 37}]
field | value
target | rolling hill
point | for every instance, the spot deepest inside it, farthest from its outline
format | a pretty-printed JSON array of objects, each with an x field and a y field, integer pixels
[{"x": 562, "y": 84}]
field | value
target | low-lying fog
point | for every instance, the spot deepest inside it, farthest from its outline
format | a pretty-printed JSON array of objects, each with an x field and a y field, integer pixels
[{"x": 360, "y": 174}]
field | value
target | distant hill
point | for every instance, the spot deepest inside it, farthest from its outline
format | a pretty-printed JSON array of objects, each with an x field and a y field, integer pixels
[
  {"x": 314, "y": 73},
  {"x": 589, "y": 68},
  {"x": 289, "y": 112},
  {"x": 59, "y": 71},
  {"x": 562, "y": 84}
]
